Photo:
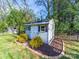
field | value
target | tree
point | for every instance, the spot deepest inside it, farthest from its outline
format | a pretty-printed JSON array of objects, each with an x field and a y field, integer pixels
[
  {"x": 3, "y": 26},
  {"x": 64, "y": 12},
  {"x": 76, "y": 17},
  {"x": 17, "y": 19},
  {"x": 48, "y": 5}
]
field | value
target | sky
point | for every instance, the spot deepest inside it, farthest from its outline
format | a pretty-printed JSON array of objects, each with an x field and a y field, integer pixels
[
  {"x": 31, "y": 3},
  {"x": 33, "y": 6},
  {"x": 36, "y": 8}
]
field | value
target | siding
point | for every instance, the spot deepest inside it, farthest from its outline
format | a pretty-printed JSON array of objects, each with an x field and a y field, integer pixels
[{"x": 44, "y": 36}]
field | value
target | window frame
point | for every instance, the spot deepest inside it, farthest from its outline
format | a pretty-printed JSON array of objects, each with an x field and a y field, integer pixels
[{"x": 43, "y": 28}]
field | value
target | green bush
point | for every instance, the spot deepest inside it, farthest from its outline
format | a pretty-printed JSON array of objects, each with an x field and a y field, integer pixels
[
  {"x": 22, "y": 38},
  {"x": 36, "y": 42}
]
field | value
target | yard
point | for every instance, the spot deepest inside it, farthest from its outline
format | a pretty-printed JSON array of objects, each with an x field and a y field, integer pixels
[
  {"x": 71, "y": 50},
  {"x": 10, "y": 50}
]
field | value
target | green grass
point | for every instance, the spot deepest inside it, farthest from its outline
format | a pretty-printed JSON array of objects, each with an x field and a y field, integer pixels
[
  {"x": 71, "y": 50},
  {"x": 10, "y": 50}
]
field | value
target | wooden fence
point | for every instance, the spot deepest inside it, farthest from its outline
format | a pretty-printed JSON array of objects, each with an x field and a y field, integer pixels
[{"x": 68, "y": 37}]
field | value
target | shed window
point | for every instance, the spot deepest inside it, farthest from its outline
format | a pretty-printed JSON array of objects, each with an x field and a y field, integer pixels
[{"x": 43, "y": 28}]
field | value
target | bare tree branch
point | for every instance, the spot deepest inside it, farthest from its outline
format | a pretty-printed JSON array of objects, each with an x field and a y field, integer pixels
[{"x": 48, "y": 4}]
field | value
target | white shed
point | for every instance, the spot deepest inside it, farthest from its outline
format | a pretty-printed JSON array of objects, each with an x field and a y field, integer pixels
[{"x": 43, "y": 29}]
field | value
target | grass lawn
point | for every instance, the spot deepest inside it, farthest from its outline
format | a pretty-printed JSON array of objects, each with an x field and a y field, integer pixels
[
  {"x": 71, "y": 50},
  {"x": 10, "y": 50}
]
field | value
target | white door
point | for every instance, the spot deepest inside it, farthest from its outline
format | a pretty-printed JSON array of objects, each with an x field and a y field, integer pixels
[
  {"x": 34, "y": 31},
  {"x": 43, "y": 33}
]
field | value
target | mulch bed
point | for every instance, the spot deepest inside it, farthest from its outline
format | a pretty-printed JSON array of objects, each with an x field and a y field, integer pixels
[{"x": 54, "y": 49}]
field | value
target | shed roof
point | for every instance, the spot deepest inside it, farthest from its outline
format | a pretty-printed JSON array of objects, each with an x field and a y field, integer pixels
[{"x": 37, "y": 23}]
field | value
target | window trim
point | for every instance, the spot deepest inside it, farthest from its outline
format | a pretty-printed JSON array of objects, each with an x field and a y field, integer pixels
[{"x": 45, "y": 28}]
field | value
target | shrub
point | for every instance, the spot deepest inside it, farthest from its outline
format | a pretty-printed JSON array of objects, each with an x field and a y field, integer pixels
[
  {"x": 22, "y": 38},
  {"x": 25, "y": 36},
  {"x": 36, "y": 42}
]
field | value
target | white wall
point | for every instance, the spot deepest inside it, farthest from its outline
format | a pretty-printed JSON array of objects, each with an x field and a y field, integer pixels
[
  {"x": 51, "y": 30},
  {"x": 34, "y": 32},
  {"x": 44, "y": 36}
]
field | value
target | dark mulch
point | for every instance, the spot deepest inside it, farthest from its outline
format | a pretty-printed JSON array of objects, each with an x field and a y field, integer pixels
[{"x": 55, "y": 48}]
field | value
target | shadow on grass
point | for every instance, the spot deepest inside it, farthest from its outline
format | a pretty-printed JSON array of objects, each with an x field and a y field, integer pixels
[
  {"x": 75, "y": 56},
  {"x": 73, "y": 53},
  {"x": 72, "y": 50},
  {"x": 72, "y": 43},
  {"x": 10, "y": 56},
  {"x": 64, "y": 57}
]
